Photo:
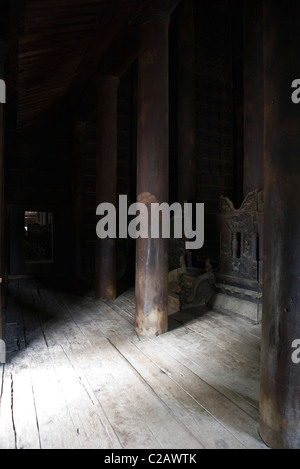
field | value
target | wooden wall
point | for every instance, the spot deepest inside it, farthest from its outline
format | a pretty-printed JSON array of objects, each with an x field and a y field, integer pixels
[
  {"x": 39, "y": 167},
  {"x": 214, "y": 115},
  {"x": 36, "y": 178}
]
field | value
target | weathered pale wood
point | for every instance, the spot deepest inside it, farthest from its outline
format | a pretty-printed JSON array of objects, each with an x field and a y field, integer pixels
[
  {"x": 196, "y": 385},
  {"x": 225, "y": 383},
  {"x": 224, "y": 411},
  {"x": 117, "y": 337},
  {"x": 120, "y": 394},
  {"x": 230, "y": 383},
  {"x": 116, "y": 389},
  {"x": 193, "y": 416},
  {"x": 210, "y": 363},
  {"x": 200, "y": 347},
  {"x": 123, "y": 312},
  {"x": 238, "y": 324},
  {"x": 23, "y": 406},
  {"x": 83, "y": 407},
  {"x": 88, "y": 381},
  {"x": 234, "y": 345},
  {"x": 7, "y": 433}
]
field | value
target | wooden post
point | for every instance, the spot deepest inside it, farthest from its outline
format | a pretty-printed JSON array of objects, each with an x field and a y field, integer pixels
[
  {"x": 237, "y": 47},
  {"x": 253, "y": 97},
  {"x": 187, "y": 174},
  {"x": 280, "y": 376},
  {"x": 106, "y": 183},
  {"x": 2, "y": 203},
  {"x": 152, "y": 170},
  {"x": 79, "y": 133}
]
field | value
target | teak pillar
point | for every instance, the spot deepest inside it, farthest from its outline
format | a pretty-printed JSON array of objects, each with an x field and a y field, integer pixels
[
  {"x": 106, "y": 183},
  {"x": 79, "y": 136},
  {"x": 280, "y": 376},
  {"x": 253, "y": 97},
  {"x": 152, "y": 170},
  {"x": 2, "y": 204},
  {"x": 187, "y": 173}
]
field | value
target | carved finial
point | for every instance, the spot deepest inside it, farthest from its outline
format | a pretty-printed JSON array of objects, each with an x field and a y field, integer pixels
[
  {"x": 250, "y": 202},
  {"x": 226, "y": 205}
]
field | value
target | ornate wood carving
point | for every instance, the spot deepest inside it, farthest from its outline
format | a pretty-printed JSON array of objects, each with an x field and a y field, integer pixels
[
  {"x": 241, "y": 237},
  {"x": 199, "y": 291}
]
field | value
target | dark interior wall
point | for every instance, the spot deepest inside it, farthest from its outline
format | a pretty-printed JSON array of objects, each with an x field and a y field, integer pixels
[
  {"x": 219, "y": 121},
  {"x": 214, "y": 114},
  {"x": 37, "y": 178},
  {"x": 39, "y": 168}
]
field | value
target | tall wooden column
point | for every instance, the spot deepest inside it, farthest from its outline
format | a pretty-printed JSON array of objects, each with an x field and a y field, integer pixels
[
  {"x": 253, "y": 97},
  {"x": 2, "y": 203},
  {"x": 106, "y": 183},
  {"x": 280, "y": 376},
  {"x": 187, "y": 174},
  {"x": 79, "y": 136},
  {"x": 152, "y": 170}
]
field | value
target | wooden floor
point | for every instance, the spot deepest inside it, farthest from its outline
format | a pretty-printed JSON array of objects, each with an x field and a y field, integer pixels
[{"x": 77, "y": 375}]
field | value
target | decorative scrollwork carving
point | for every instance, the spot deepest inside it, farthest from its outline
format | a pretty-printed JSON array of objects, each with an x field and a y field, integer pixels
[{"x": 240, "y": 236}]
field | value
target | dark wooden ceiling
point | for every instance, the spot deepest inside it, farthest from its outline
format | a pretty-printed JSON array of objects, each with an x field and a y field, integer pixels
[
  {"x": 57, "y": 47},
  {"x": 55, "y": 37}
]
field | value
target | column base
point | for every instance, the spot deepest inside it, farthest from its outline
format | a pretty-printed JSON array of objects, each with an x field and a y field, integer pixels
[{"x": 153, "y": 324}]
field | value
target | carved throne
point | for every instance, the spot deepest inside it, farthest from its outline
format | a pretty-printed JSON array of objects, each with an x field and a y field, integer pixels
[
  {"x": 188, "y": 286},
  {"x": 238, "y": 286}
]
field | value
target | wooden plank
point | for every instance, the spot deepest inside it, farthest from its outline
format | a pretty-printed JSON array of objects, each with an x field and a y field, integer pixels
[
  {"x": 226, "y": 412},
  {"x": 23, "y": 405},
  {"x": 56, "y": 37},
  {"x": 94, "y": 433},
  {"x": 97, "y": 368},
  {"x": 225, "y": 383},
  {"x": 205, "y": 354},
  {"x": 50, "y": 54},
  {"x": 31, "y": 323},
  {"x": 190, "y": 413},
  {"x": 237, "y": 322},
  {"x": 126, "y": 378},
  {"x": 56, "y": 427},
  {"x": 53, "y": 17},
  {"x": 243, "y": 331},
  {"x": 124, "y": 313},
  {"x": 14, "y": 331},
  {"x": 66, "y": 341},
  {"x": 36, "y": 4},
  {"x": 119, "y": 396},
  {"x": 171, "y": 396},
  {"x": 186, "y": 392},
  {"x": 235, "y": 344},
  {"x": 72, "y": 28},
  {"x": 206, "y": 357}
]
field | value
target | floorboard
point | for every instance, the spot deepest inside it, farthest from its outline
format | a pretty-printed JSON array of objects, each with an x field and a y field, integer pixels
[{"x": 77, "y": 375}]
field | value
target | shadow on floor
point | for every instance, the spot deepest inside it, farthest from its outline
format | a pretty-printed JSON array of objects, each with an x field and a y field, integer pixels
[{"x": 183, "y": 317}]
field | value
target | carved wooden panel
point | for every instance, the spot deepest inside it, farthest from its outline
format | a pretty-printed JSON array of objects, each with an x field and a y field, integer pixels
[{"x": 241, "y": 237}]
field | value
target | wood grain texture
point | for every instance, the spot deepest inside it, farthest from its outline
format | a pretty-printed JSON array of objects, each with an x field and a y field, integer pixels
[{"x": 78, "y": 375}]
